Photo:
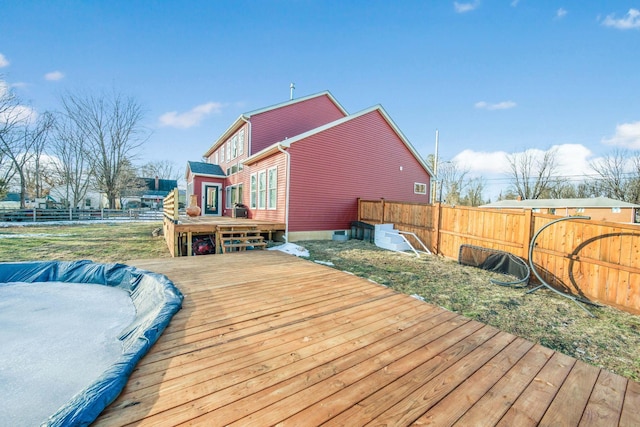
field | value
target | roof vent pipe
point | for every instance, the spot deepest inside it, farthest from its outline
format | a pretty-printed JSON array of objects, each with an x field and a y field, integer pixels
[{"x": 292, "y": 86}]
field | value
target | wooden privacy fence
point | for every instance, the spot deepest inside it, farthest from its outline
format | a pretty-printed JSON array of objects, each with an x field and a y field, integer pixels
[{"x": 597, "y": 260}]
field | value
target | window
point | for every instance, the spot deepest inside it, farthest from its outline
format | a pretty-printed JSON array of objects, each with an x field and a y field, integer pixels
[
  {"x": 228, "y": 151},
  {"x": 215, "y": 158},
  {"x": 241, "y": 141},
  {"x": 234, "y": 146},
  {"x": 579, "y": 210},
  {"x": 272, "y": 185},
  {"x": 262, "y": 189},
  {"x": 221, "y": 153},
  {"x": 253, "y": 189},
  {"x": 615, "y": 210},
  {"x": 229, "y": 192},
  {"x": 419, "y": 188}
]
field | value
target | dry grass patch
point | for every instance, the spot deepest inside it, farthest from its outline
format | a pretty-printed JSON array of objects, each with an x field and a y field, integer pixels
[{"x": 610, "y": 340}]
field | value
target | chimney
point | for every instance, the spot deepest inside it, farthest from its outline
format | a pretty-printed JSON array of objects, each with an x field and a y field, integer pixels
[{"x": 157, "y": 183}]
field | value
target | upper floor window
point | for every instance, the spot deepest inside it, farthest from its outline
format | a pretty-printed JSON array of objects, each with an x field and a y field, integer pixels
[
  {"x": 221, "y": 149},
  {"x": 419, "y": 188},
  {"x": 234, "y": 147},
  {"x": 228, "y": 151},
  {"x": 241, "y": 142}
]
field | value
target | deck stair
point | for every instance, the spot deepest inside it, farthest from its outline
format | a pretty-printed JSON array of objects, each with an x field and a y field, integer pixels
[
  {"x": 387, "y": 237},
  {"x": 239, "y": 238}
]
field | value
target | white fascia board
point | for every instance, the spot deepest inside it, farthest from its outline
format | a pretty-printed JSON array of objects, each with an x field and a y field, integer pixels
[
  {"x": 405, "y": 141},
  {"x": 295, "y": 101},
  {"x": 266, "y": 152}
]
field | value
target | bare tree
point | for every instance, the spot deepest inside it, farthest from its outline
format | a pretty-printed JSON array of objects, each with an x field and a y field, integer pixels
[
  {"x": 618, "y": 176},
  {"x": 111, "y": 126},
  {"x": 19, "y": 136},
  {"x": 532, "y": 175},
  {"x": 71, "y": 164},
  {"x": 163, "y": 169},
  {"x": 474, "y": 192},
  {"x": 9, "y": 121},
  {"x": 39, "y": 146}
]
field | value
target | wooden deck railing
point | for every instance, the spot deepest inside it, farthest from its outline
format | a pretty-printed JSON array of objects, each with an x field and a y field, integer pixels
[
  {"x": 170, "y": 205},
  {"x": 596, "y": 259}
]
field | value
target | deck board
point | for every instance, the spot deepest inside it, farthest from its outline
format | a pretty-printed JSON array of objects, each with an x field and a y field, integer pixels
[{"x": 264, "y": 338}]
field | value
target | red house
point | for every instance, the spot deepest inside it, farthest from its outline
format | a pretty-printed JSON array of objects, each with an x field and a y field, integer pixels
[{"x": 305, "y": 163}]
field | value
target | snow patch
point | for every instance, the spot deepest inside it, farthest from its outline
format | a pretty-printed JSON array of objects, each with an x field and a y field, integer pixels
[{"x": 291, "y": 248}]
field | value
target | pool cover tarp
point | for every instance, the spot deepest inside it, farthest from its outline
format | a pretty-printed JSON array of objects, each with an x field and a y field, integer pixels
[{"x": 155, "y": 298}]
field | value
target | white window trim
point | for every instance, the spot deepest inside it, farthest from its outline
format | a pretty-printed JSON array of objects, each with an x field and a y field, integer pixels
[
  {"x": 422, "y": 185},
  {"x": 274, "y": 205},
  {"x": 253, "y": 191},
  {"x": 262, "y": 202}
]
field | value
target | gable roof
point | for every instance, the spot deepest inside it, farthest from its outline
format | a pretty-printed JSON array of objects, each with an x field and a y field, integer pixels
[
  {"x": 593, "y": 202},
  {"x": 244, "y": 117},
  {"x": 208, "y": 169},
  {"x": 288, "y": 142}
]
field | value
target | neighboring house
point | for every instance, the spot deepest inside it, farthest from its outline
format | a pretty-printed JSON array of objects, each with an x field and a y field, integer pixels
[
  {"x": 598, "y": 208},
  {"x": 58, "y": 199},
  {"x": 150, "y": 194},
  {"x": 10, "y": 201},
  {"x": 305, "y": 163}
]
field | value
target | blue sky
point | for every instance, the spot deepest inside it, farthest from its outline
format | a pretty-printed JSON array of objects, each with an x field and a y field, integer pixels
[{"x": 493, "y": 77}]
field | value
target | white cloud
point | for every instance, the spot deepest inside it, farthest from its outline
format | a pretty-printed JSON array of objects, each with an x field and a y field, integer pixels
[
  {"x": 4, "y": 62},
  {"x": 54, "y": 76},
  {"x": 572, "y": 165},
  {"x": 20, "y": 114},
  {"x": 504, "y": 105},
  {"x": 630, "y": 21},
  {"x": 480, "y": 162},
  {"x": 561, "y": 13},
  {"x": 190, "y": 118},
  {"x": 466, "y": 7},
  {"x": 627, "y": 135},
  {"x": 514, "y": 3}
]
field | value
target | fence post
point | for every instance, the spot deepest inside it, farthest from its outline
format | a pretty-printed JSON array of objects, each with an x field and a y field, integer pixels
[
  {"x": 382, "y": 204},
  {"x": 35, "y": 216},
  {"x": 71, "y": 213},
  {"x": 527, "y": 233},
  {"x": 437, "y": 207}
]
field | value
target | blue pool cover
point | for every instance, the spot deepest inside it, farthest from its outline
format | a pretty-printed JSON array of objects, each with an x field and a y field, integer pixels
[{"x": 155, "y": 298}]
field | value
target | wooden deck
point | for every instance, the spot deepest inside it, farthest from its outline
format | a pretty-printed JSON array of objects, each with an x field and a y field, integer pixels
[
  {"x": 179, "y": 236},
  {"x": 265, "y": 338}
]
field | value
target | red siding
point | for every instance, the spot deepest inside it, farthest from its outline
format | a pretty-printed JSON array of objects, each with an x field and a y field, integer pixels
[
  {"x": 197, "y": 186},
  {"x": 275, "y": 125},
  {"x": 359, "y": 158}
]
